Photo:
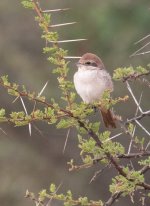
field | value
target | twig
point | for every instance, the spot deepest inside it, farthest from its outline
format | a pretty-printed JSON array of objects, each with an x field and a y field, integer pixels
[
  {"x": 135, "y": 76},
  {"x": 113, "y": 198},
  {"x": 134, "y": 155},
  {"x": 48, "y": 203},
  {"x": 38, "y": 11},
  {"x": 134, "y": 119},
  {"x": 97, "y": 173},
  {"x": 145, "y": 169},
  {"x": 33, "y": 198},
  {"x": 100, "y": 144},
  {"x": 34, "y": 98},
  {"x": 122, "y": 156}
]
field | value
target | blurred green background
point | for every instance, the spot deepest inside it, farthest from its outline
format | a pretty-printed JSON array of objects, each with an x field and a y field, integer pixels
[{"x": 111, "y": 27}]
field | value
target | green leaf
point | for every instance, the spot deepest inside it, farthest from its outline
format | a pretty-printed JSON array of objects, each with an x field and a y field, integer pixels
[
  {"x": 65, "y": 123},
  {"x": 145, "y": 162},
  {"x": 2, "y": 113},
  {"x": 42, "y": 195},
  {"x": 50, "y": 36},
  {"x": 83, "y": 201},
  {"x": 47, "y": 18},
  {"x": 121, "y": 73},
  {"x": 52, "y": 188},
  {"x": 28, "y": 4},
  {"x": 95, "y": 127}
]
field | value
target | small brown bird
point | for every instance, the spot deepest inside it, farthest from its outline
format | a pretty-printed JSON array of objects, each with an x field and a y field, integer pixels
[{"x": 91, "y": 80}]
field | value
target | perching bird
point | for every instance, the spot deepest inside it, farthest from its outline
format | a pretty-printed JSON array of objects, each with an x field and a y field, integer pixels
[{"x": 91, "y": 80}]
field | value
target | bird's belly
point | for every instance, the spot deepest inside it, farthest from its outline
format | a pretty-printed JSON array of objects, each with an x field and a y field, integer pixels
[{"x": 89, "y": 85}]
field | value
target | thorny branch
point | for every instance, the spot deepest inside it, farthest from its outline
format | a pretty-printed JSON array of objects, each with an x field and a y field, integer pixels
[
  {"x": 35, "y": 99},
  {"x": 139, "y": 117},
  {"x": 121, "y": 156},
  {"x": 90, "y": 132},
  {"x": 113, "y": 198},
  {"x": 135, "y": 76}
]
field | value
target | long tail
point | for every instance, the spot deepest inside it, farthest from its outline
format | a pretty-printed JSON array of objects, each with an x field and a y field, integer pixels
[{"x": 108, "y": 118}]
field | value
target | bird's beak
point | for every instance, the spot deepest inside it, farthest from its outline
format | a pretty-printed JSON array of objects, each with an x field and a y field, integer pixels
[{"x": 78, "y": 64}]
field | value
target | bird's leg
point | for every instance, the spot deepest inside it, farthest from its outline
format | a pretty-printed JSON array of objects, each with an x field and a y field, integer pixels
[{"x": 94, "y": 108}]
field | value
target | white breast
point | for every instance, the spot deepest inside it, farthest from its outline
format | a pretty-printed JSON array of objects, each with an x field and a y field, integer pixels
[{"x": 90, "y": 84}]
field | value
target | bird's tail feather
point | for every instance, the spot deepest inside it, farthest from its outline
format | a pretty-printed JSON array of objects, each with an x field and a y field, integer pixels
[{"x": 108, "y": 118}]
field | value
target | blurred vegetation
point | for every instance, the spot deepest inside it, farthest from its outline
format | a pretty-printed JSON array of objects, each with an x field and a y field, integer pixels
[{"x": 111, "y": 28}]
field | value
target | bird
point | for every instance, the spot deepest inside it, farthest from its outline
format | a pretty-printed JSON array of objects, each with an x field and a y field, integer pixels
[{"x": 90, "y": 81}]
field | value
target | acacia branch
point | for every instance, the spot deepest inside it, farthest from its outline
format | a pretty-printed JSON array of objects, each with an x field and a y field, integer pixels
[
  {"x": 134, "y": 155},
  {"x": 116, "y": 195},
  {"x": 63, "y": 112},
  {"x": 34, "y": 98},
  {"x": 141, "y": 116},
  {"x": 122, "y": 156},
  {"x": 39, "y": 13},
  {"x": 113, "y": 198},
  {"x": 135, "y": 76},
  {"x": 145, "y": 169},
  {"x": 90, "y": 132}
]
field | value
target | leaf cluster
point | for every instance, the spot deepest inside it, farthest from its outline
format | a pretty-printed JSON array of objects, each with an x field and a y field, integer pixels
[
  {"x": 67, "y": 198},
  {"x": 98, "y": 146},
  {"x": 129, "y": 73}
]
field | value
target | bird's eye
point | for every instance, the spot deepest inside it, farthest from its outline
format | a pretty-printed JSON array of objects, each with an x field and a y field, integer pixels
[
  {"x": 88, "y": 63},
  {"x": 91, "y": 64}
]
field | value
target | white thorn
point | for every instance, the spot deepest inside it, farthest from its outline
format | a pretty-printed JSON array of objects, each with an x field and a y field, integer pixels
[
  {"x": 142, "y": 39},
  {"x": 130, "y": 145},
  {"x": 24, "y": 107},
  {"x": 42, "y": 90},
  {"x": 67, "y": 41},
  {"x": 55, "y": 10},
  {"x": 68, "y": 132},
  {"x": 64, "y": 24},
  {"x": 147, "y": 132},
  {"x": 26, "y": 114},
  {"x": 136, "y": 102},
  {"x": 113, "y": 137}
]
